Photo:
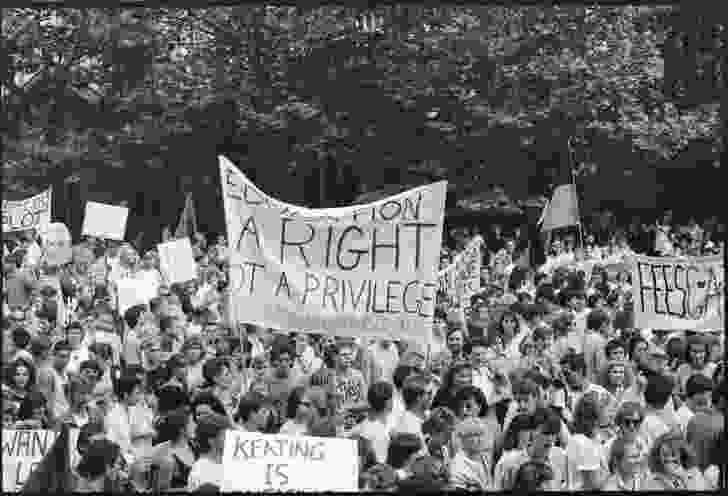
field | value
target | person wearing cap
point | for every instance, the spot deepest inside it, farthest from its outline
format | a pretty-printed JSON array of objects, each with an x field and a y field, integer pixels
[{"x": 210, "y": 434}]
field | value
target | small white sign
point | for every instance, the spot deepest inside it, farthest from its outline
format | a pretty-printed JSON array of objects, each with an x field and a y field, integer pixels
[
  {"x": 105, "y": 221},
  {"x": 177, "y": 261}
]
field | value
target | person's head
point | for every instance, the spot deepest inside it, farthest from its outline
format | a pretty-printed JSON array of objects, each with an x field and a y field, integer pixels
[
  {"x": 638, "y": 349},
  {"x": 676, "y": 348},
  {"x": 176, "y": 426},
  {"x": 616, "y": 373},
  {"x": 414, "y": 393},
  {"x": 670, "y": 451},
  {"x": 100, "y": 459},
  {"x": 587, "y": 415},
  {"x": 698, "y": 393},
  {"x": 576, "y": 300},
  {"x": 547, "y": 425},
  {"x": 455, "y": 341},
  {"x": 526, "y": 394},
  {"x": 573, "y": 366},
  {"x": 629, "y": 418},
  {"x": 206, "y": 403},
  {"x": 101, "y": 353},
  {"x": 216, "y": 371},
  {"x": 625, "y": 457},
  {"x": 472, "y": 435},
  {"x": 40, "y": 348},
  {"x": 367, "y": 455},
  {"x": 133, "y": 315},
  {"x": 20, "y": 338},
  {"x": 380, "y": 477},
  {"x": 518, "y": 434},
  {"x": 193, "y": 350},
  {"x": 438, "y": 428},
  {"x": 88, "y": 433},
  {"x": 61, "y": 354},
  {"x": 74, "y": 334},
  {"x": 543, "y": 339},
  {"x": 254, "y": 412},
  {"x": 658, "y": 390},
  {"x": 210, "y": 433},
  {"x": 90, "y": 371},
  {"x": 281, "y": 359},
  {"x": 129, "y": 389},
  {"x": 21, "y": 374},
  {"x": 379, "y": 397},
  {"x": 402, "y": 449},
  {"x": 508, "y": 325},
  {"x": 479, "y": 353},
  {"x": 470, "y": 402},
  {"x": 599, "y": 321},
  {"x": 177, "y": 366},
  {"x": 615, "y": 350},
  {"x": 170, "y": 397},
  {"x": 533, "y": 476},
  {"x": 401, "y": 373},
  {"x": 697, "y": 351}
]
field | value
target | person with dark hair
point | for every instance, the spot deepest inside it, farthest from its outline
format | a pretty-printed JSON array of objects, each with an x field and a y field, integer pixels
[
  {"x": 696, "y": 361},
  {"x": 57, "y": 398},
  {"x": 18, "y": 384},
  {"x": 471, "y": 466},
  {"x": 96, "y": 466},
  {"x": 626, "y": 466},
  {"x": 33, "y": 412},
  {"x": 698, "y": 397},
  {"x": 205, "y": 403},
  {"x": 403, "y": 448},
  {"x": 438, "y": 431},
  {"x": 416, "y": 402},
  {"x": 459, "y": 375},
  {"x": 281, "y": 381},
  {"x": 401, "y": 372},
  {"x": 584, "y": 450},
  {"x": 305, "y": 407},
  {"x": 171, "y": 397},
  {"x": 210, "y": 435},
  {"x": 219, "y": 381},
  {"x": 374, "y": 427},
  {"x": 598, "y": 331},
  {"x": 172, "y": 456},
  {"x": 254, "y": 413},
  {"x": 456, "y": 344},
  {"x": 132, "y": 352},
  {"x": 533, "y": 476},
  {"x": 656, "y": 395},
  {"x": 673, "y": 466},
  {"x": 20, "y": 339}
]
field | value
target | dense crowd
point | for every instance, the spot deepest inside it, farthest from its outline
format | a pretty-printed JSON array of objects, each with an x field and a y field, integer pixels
[{"x": 540, "y": 380}]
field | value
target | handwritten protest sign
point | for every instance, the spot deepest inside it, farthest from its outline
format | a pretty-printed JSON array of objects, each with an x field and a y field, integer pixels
[
  {"x": 269, "y": 462},
  {"x": 57, "y": 248},
  {"x": 177, "y": 261},
  {"x": 22, "y": 451},
  {"x": 105, "y": 221},
  {"x": 678, "y": 293},
  {"x": 30, "y": 213},
  {"x": 360, "y": 270},
  {"x": 130, "y": 292}
]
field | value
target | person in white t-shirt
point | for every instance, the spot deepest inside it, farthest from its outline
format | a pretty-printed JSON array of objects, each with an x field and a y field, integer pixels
[
  {"x": 698, "y": 391},
  {"x": 584, "y": 451},
  {"x": 375, "y": 428}
]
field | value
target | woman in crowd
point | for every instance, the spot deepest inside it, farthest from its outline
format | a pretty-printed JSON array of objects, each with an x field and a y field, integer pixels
[
  {"x": 128, "y": 424},
  {"x": 584, "y": 450},
  {"x": 672, "y": 466},
  {"x": 33, "y": 412},
  {"x": 305, "y": 407},
  {"x": 459, "y": 375},
  {"x": 696, "y": 361},
  {"x": 219, "y": 382},
  {"x": 626, "y": 466},
  {"x": 194, "y": 354},
  {"x": 533, "y": 476},
  {"x": 210, "y": 436},
  {"x": 19, "y": 383},
  {"x": 97, "y": 466}
]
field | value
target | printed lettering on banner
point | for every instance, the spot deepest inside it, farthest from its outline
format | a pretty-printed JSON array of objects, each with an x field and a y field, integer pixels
[
  {"x": 361, "y": 270},
  {"x": 177, "y": 261},
  {"x": 678, "y": 293},
  {"x": 105, "y": 221},
  {"x": 23, "y": 450},
  {"x": 461, "y": 279},
  {"x": 30, "y": 213},
  {"x": 271, "y": 462}
]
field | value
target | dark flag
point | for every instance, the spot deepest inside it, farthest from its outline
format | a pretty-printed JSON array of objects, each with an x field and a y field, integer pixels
[{"x": 53, "y": 474}]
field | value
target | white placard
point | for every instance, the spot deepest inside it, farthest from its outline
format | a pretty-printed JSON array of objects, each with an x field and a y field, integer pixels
[
  {"x": 22, "y": 451},
  {"x": 130, "y": 292},
  {"x": 271, "y": 462},
  {"x": 105, "y": 221},
  {"x": 177, "y": 260},
  {"x": 56, "y": 244}
]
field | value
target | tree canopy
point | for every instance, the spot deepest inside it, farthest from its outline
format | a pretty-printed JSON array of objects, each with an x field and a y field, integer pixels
[{"x": 344, "y": 100}]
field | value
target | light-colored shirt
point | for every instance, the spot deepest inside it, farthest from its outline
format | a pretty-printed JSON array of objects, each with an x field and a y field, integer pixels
[
  {"x": 378, "y": 434},
  {"x": 469, "y": 474},
  {"x": 293, "y": 428},
  {"x": 584, "y": 455},
  {"x": 205, "y": 471},
  {"x": 410, "y": 423}
]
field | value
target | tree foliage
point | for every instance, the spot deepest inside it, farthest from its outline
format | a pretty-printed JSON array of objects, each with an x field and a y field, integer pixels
[{"x": 357, "y": 98}]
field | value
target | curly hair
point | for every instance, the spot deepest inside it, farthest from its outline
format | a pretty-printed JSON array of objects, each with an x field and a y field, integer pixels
[
  {"x": 13, "y": 368},
  {"x": 675, "y": 440}
]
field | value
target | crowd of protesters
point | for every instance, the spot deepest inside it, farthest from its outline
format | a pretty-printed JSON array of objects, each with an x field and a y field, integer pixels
[{"x": 541, "y": 381}]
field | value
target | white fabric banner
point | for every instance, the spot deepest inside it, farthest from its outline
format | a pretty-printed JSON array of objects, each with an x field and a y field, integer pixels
[
  {"x": 22, "y": 451},
  {"x": 360, "y": 270},
  {"x": 31, "y": 213},
  {"x": 461, "y": 279},
  {"x": 679, "y": 293}
]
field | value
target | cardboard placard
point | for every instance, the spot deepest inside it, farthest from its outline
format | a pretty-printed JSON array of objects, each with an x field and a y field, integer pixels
[{"x": 105, "y": 221}]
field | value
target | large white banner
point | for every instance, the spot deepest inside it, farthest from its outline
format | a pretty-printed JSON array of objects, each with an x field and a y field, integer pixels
[
  {"x": 22, "y": 451},
  {"x": 679, "y": 293},
  {"x": 360, "y": 270},
  {"x": 272, "y": 462},
  {"x": 31, "y": 213}
]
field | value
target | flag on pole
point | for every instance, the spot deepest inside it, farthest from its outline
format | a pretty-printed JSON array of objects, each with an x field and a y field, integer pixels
[
  {"x": 53, "y": 474},
  {"x": 562, "y": 210},
  {"x": 187, "y": 225}
]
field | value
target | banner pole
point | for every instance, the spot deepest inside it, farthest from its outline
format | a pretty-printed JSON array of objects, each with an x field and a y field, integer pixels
[{"x": 576, "y": 193}]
